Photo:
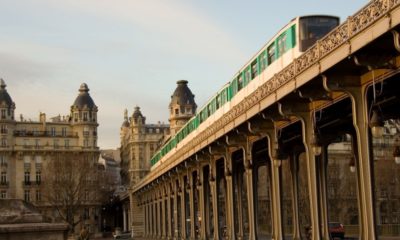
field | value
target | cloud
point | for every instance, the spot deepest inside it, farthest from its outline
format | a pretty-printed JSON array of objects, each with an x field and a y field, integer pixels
[
  {"x": 26, "y": 62},
  {"x": 163, "y": 24}
]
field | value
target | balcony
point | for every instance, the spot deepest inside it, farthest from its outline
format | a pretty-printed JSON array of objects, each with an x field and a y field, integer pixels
[
  {"x": 52, "y": 148},
  {"x": 22, "y": 133},
  {"x": 26, "y": 183},
  {"x": 4, "y": 184},
  {"x": 31, "y": 183}
]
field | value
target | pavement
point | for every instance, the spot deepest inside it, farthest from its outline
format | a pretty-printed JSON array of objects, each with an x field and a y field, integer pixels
[{"x": 109, "y": 236}]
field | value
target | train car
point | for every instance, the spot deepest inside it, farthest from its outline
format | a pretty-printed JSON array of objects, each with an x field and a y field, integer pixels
[{"x": 288, "y": 44}]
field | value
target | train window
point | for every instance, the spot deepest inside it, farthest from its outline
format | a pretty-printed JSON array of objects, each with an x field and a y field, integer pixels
[
  {"x": 314, "y": 28},
  {"x": 234, "y": 87},
  {"x": 218, "y": 100},
  {"x": 240, "y": 82},
  {"x": 254, "y": 70},
  {"x": 271, "y": 53},
  {"x": 281, "y": 44},
  {"x": 223, "y": 97},
  {"x": 262, "y": 61},
  {"x": 247, "y": 76},
  {"x": 201, "y": 117}
]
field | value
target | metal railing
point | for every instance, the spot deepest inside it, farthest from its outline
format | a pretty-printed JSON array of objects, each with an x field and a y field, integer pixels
[{"x": 23, "y": 133}]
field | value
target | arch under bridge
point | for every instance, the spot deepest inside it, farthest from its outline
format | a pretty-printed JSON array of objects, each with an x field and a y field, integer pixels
[{"x": 316, "y": 146}]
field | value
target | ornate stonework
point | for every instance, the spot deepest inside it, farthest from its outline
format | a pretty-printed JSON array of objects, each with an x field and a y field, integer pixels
[{"x": 340, "y": 36}]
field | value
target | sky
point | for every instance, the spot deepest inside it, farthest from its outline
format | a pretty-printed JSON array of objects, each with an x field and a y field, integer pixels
[{"x": 132, "y": 52}]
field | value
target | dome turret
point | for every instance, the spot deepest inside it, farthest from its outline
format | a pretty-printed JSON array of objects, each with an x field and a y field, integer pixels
[
  {"x": 7, "y": 105},
  {"x": 182, "y": 106},
  {"x": 137, "y": 116},
  {"x": 84, "y": 99},
  {"x": 5, "y": 98},
  {"x": 182, "y": 95},
  {"x": 84, "y": 109}
]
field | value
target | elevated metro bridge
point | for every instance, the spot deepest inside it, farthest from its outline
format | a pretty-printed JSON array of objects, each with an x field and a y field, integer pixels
[{"x": 273, "y": 166}]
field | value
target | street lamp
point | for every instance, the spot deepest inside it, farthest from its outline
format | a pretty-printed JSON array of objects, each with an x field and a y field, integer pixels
[
  {"x": 316, "y": 144},
  {"x": 396, "y": 155},
  {"x": 376, "y": 124},
  {"x": 352, "y": 165}
]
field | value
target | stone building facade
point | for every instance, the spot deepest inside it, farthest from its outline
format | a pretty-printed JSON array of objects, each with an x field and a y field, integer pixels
[
  {"x": 140, "y": 140},
  {"x": 27, "y": 147}
]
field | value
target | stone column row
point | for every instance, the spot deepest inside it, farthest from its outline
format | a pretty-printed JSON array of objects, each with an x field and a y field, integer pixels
[{"x": 165, "y": 208}]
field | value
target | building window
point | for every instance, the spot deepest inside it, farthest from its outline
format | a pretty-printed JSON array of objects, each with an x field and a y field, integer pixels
[
  {"x": 26, "y": 143},
  {"x": 85, "y": 116},
  {"x": 35, "y": 131},
  {"x": 94, "y": 142},
  {"x": 55, "y": 143},
  {"x": 27, "y": 162},
  {"x": 38, "y": 196},
  {"x": 3, "y": 129},
  {"x": 66, "y": 143},
  {"x": 53, "y": 131},
  {"x": 3, "y": 178},
  {"x": 177, "y": 111},
  {"x": 3, "y": 114},
  {"x": 85, "y": 131},
  {"x": 3, "y": 194},
  {"x": 38, "y": 162},
  {"x": 4, "y": 142},
  {"x": 27, "y": 177},
  {"x": 76, "y": 117},
  {"x": 38, "y": 177},
  {"x": 86, "y": 195},
  {"x": 3, "y": 160},
  {"x": 86, "y": 214},
  {"x": 37, "y": 143},
  {"x": 22, "y": 131},
  {"x": 27, "y": 195},
  {"x": 86, "y": 143},
  {"x": 64, "y": 131}
]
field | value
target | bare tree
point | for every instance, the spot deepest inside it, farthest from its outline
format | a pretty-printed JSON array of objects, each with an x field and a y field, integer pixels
[{"x": 70, "y": 183}]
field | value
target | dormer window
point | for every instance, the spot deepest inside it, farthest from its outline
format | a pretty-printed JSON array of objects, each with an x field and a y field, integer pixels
[
  {"x": 3, "y": 114},
  {"x": 76, "y": 117},
  {"x": 177, "y": 111},
  {"x": 85, "y": 116}
]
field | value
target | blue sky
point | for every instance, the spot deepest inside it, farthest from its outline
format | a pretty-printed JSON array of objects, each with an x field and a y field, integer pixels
[{"x": 132, "y": 52}]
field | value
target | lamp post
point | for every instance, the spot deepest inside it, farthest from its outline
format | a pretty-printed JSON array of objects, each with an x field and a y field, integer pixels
[
  {"x": 376, "y": 124},
  {"x": 316, "y": 144},
  {"x": 352, "y": 165},
  {"x": 396, "y": 154}
]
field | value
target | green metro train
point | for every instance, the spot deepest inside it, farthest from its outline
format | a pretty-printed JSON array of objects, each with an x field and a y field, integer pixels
[{"x": 288, "y": 44}]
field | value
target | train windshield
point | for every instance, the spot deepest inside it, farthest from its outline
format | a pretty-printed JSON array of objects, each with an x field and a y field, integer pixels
[{"x": 314, "y": 28}]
